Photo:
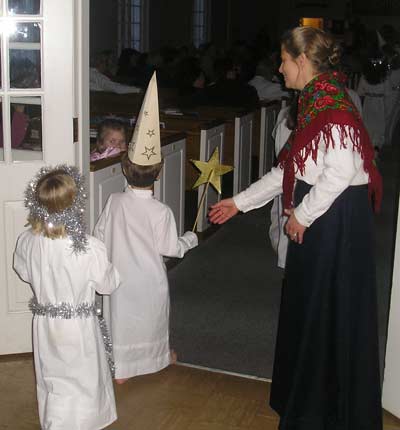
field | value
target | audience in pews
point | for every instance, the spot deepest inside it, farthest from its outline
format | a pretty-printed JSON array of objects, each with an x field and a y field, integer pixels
[{"x": 244, "y": 74}]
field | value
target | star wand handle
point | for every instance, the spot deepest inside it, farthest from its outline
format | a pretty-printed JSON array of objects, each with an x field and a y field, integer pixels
[{"x": 202, "y": 200}]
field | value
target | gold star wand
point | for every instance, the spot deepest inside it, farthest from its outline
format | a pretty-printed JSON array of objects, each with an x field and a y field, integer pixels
[{"x": 210, "y": 173}]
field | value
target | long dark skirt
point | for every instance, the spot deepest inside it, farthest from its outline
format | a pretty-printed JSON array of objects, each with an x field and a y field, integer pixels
[{"x": 326, "y": 370}]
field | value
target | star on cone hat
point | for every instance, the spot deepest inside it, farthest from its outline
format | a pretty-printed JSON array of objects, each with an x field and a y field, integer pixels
[{"x": 145, "y": 146}]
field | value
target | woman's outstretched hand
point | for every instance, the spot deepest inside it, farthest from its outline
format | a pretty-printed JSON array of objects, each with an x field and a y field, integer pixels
[
  {"x": 293, "y": 228},
  {"x": 222, "y": 211}
]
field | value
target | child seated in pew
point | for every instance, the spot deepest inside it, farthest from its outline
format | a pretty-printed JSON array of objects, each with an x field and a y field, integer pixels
[
  {"x": 111, "y": 139},
  {"x": 138, "y": 232}
]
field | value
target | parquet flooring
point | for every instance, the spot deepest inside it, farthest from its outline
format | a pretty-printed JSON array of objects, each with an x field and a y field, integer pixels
[{"x": 177, "y": 398}]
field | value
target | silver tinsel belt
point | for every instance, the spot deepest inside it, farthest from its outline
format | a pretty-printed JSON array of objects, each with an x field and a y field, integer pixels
[{"x": 69, "y": 311}]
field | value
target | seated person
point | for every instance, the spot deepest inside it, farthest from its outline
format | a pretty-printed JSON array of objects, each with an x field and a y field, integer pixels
[
  {"x": 190, "y": 82},
  {"x": 19, "y": 126},
  {"x": 111, "y": 139},
  {"x": 228, "y": 90},
  {"x": 263, "y": 83},
  {"x": 99, "y": 81},
  {"x": 133, "y": 68}
]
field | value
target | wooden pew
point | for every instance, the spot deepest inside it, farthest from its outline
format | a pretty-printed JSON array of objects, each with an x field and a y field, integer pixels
[
  {"x": 239, "y": 136},
  {"x": 268, "y": 114},
  {"x": 236, "y": 138},
  {"x": 202, "y": 137},
  {"x": 240, "y": 126}
]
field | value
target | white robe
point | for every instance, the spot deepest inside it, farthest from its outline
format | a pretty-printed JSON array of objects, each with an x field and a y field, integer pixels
[
  {"x": 267, "y": 90},
  {"x": 392, "y": 104},
  {"x": 74, "y": 385},
  {"x": 277, "y": 234},
  {"x": 100, "y": 82},
  {"x": 373, "y": 110},
  {"x": 138, "y": 231}
]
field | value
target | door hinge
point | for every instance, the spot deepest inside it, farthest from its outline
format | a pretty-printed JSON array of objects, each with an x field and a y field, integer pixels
[{"x": 75, "y": 127}]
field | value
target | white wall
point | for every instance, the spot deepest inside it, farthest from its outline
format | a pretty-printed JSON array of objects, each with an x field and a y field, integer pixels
[{"x": 391, "y": 382}]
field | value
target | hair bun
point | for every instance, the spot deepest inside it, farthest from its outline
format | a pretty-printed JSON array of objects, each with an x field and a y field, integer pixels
[{"x": 334, "y": 57}]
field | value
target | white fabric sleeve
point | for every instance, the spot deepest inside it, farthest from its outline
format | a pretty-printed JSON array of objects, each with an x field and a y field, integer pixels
[
  {"x": 103, "y": 274},
  {"x": 261, "y": 192},
  {"x": 102, "y": 82},
  {"x": 116, "y": 87},
  {"x": 100, "y": 227},
  {"x": 341, "y": 164},
  {"x": 167, "y": 240},
  {"x": 20, "y": 263}
]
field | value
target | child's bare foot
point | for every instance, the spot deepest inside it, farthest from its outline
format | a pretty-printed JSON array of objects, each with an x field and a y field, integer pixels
[
  {"x": 121, "y": 381},
  {"x": 173, "y": 357}
]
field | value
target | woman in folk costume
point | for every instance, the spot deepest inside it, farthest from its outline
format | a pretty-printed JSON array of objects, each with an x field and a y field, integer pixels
[
  {"x": 281, "y": 132},
  {"x": 139, "y": 231},
  {"x": 65, "y": 267},
  {"x": 326, "y": 370}
]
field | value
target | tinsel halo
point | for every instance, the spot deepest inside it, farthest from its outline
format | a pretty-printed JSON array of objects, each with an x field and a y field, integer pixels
[{"x": 72, "y": 217}]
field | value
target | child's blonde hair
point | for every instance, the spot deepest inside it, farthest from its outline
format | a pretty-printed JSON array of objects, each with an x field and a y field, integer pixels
[{"x": 56, "y": 191}]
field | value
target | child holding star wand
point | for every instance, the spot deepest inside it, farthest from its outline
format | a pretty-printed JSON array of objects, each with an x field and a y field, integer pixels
[{"x": 139, "y": 231}]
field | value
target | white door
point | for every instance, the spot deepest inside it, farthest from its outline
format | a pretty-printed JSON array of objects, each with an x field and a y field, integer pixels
[
  {"x": 391, "y": 381},
  {"x": 37, "y": 107}
]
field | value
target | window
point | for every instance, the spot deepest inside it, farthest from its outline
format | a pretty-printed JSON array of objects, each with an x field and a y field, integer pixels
[
  {"x": 200, "y": 22},
  {"x": 132, "y": 23}
]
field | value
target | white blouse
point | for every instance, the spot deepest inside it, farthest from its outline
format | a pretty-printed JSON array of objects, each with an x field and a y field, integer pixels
[{"x": 336, "y": 168}]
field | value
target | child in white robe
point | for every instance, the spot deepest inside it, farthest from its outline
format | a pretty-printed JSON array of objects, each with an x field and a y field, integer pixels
[
  {"x": 138, "y": 231},
  {"x": 64, "y": 268},
  {"x": 371, "y": 89},
  {"x": 277, "y": 234}
]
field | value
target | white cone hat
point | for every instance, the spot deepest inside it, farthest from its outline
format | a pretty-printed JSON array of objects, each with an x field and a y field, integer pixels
[{"x": 144, "y": 147}]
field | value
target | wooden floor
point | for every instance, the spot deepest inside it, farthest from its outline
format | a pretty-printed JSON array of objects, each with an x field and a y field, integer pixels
[{"x": 178, "y": 398}]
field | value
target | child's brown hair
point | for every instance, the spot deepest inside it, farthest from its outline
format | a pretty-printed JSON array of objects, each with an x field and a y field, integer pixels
[
  {"x": 56, "y": 191},
  {"x": 104, "y": 127},
  {"x": 140, "y": 176}
]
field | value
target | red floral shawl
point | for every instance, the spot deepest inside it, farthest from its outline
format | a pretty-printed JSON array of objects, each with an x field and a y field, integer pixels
[{"x": 324, "y": 104}]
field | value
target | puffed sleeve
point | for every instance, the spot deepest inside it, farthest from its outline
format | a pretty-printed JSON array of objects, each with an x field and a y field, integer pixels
[
  {"x": 20, "y": 263},
  {"x": 261, "y": 192},
  {"x": 168, "y": 243},
  {"x": 103, "y": 275},
  {"x": 341, "y": 164}
]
